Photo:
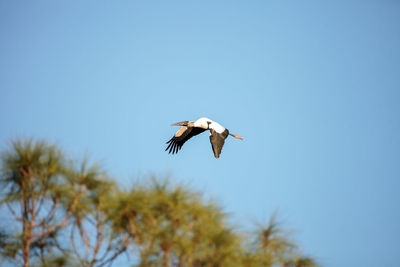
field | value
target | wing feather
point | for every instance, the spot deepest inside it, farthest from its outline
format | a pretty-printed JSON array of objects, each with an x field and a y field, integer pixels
[
  {"x": 181, "y": 136},
  {"x": 217, "y": 141}
]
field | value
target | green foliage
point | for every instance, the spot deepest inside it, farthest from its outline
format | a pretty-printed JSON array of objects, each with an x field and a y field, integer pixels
[
  {"x": 73, "y": 214},
  {"x": 57, "y": 261},
  {"x": 8, "y": 245},
  {"x": 272, "y": 244},
  {"x": 166, "y": 224},
  {"x": 35, "y": 185},
  {"x": 49, "y": 195},
  {"x": 29, "y": 169},
  {"x": 89, "y": 216},
  {"x": 301, "y": 261}
]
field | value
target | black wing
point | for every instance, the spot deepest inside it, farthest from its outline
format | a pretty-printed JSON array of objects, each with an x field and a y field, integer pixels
[
  {"x": 217, "y": 141},
  {"x": 181, "y": 136}
]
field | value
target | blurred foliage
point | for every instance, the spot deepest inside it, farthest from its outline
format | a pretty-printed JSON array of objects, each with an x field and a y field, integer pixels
[
  {"x": 73, "y": 214},
  {"x": 168, "y": 225}
]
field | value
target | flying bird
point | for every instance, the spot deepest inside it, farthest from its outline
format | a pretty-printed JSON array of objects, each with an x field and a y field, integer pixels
[{"x": 188, "y": 129}]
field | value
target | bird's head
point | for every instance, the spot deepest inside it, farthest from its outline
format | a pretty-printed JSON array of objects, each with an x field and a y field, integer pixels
[{"x": 182, "y": 123}]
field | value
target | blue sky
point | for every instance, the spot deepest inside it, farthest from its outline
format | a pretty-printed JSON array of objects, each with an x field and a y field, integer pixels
[{"x": 313, "y": 86}]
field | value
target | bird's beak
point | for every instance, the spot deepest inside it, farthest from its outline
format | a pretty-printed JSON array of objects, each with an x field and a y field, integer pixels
[{"x": 182, "y": 123}]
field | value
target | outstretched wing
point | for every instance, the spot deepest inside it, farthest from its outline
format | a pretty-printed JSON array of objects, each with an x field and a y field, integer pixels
[
  {"x": 181, "y": 136},
  {"x": 217, "y": 141}
]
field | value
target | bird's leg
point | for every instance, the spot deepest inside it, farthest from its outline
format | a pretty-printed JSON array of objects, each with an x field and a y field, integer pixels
[{"x": 236, "y": 136}]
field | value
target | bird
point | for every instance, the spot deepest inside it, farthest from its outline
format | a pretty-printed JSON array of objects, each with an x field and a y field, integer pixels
[{"x": 188, "y": 129}]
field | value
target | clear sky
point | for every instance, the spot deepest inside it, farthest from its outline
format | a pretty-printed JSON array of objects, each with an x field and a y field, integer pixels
[{"x": 313, "y": 86}]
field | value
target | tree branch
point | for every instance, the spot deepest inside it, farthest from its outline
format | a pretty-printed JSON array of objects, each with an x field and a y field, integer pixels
[
  {"x": 13, "y": 212},
  {"x": 62, "y": 223},
  {"x": 99, "y": 236}
]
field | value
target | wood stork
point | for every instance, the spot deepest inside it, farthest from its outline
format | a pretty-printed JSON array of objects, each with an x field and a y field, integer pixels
[{"x": 218, "y": 134}]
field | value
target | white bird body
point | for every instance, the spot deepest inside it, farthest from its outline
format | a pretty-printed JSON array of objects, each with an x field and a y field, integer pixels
[
  {"x": 218, "y": 134},
  {"x": 201, "y": 123},
  {"x": 206, "y": 123}
]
